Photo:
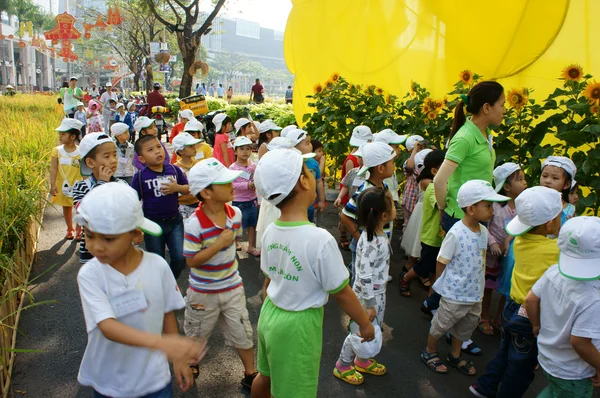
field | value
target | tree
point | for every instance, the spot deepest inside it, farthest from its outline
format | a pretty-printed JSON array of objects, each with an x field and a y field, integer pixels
[{"x": 182, "y": 20}]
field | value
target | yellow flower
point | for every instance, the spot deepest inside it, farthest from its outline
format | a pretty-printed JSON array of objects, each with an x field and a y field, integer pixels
[
  {"x": 431, "y": 115},
  {"x": 517, "y": 98},
  {"x": 318, "y": 88},
  {"x": 389, "y": 99},
  {"x": 466, "y": 76},
  {"x": 595, "y": 109},
  {"x": 572, "y": 72},
  {"x": 329, "y": 84},
  {"x": 592, "y": 92},
  {"x": 335, "y": 77},
  {"x": 379, "y": 91},
  {"x": 426, "y": 108}
]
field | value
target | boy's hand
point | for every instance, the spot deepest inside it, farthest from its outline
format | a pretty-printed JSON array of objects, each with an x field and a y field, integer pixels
[
  {"x": 596, "y": 380},
  {"x": 495, "y": 250},
  {"x": 338, "y": 202},
  {"x": 168, "y": 188},
  {"x": 367, "y": 332},
  {"x": 322, "y": 205},
  {"x": 225, "y": 239},
  {"x": 53, "y": 190},
  {"x": 105, "y": 173},
  {"x": 506, "y": 245},
  {"x": 182, "y": 349},
  {"x": 371, "y": 313},
  {"x": 183, "y": 375}
]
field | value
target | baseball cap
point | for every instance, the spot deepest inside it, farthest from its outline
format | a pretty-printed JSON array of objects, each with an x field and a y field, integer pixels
[
  {"x": 412, "y": 140},
  {"x": 120, "y": 105},
  {"x": 73, "y": 78},
  {"x": 502, "y": 172},
  {"x": 218, "y": 121},
  {"x": 535, "y": 206},
  {"x": 296, "y": 136},
  {"x": 193, "y": 125},
  {"x": 374, "y": 154},
  {"x": 89, "y": 142},
  {"x": 277, "y": 173},
  {"x": 360, "y": 136},
  {"x": 420, "y": 159},
  {"x": 79, "y": 103},
  {"x": 279, "y": 143},
  {"x": 142, "y": 122},
  {"x": 130, "y": 104},
  {"x": 118, "y": 129},
  {"x": 68, "y": 124},
  {"x": 187, "y": 114},
  {"x": 475, "y": 191},
  {"x": 564, "y": 163},
  {"x": 268, "y": 125},
  {"x": 112, "y": 209},
  {"x": 389, "y": 136},
  {"x": 241, "y": 122},
  {"x": 287, "y": 129},
  {"x": 109, "y": 84},
  {"x": 184, "y": 139},
  {"x": 241, "y": 141},
  {"x": 579, "y": 244},
  {"x": 208, "y": 172}
]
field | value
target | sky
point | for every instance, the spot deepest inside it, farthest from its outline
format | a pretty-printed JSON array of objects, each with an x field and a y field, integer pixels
[{"x": 270, "y": 14}]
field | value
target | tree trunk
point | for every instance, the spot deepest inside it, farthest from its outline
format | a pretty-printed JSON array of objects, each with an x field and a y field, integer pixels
[
  {"x": 186, "y": 79},
  {"x": 136, "y": 81}
]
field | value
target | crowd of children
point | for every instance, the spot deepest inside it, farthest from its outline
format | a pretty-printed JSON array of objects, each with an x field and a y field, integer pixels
[{"x": 267, "y": 182}]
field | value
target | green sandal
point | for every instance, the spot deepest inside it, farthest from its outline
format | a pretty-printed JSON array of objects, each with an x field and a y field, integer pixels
[{"x": 350, "y": 376}]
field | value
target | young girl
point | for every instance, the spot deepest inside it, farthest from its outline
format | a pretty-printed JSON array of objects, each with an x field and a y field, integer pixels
[
  {"x": 130, "y": 119},
  {"x": 223, "y": 149},
  {"x": 93, "y": 115},
  {"x": 510, "y": 181},
  {"x": 558, "y": 172},
  {"x": 375, "y": 209},
  {"x": 267, "y": 131},
  {"x": 574, "y": 195},
  {"x": 125, "y": 152},
  {"x": 229, "y": 95},
  {"x": 65, "y": 172},
  {"x": 430, "y": 234},
  {"x": 244, "y": 191}
]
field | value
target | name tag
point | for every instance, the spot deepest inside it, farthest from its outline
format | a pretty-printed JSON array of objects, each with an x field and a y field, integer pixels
[
  {"x": 123, "y": 160},
  {"x": 66, "y": 161},
  {"x": 246, "y": 176},
  {"x": 358, "y": 182},
  {"x": 199, "y": 155},
  {"x": 129, "y": 303},
  {"x": 482, "y": 242}
]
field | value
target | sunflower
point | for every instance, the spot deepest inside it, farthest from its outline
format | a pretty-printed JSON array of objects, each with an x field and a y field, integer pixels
[
  {"x": 431, "y": 115},
  {"x": 517, "y": 98},
  {"x": 379, "y": 90},
  {"x": 329, "y": 84},
  {"x": 335, "y": 77},
  {"x": 572, "y": 72},
  {"x": 438, "y": 105},
  {"x": 389, "y": 99},
  {"x": 592, "y": 92},
  {"x": 426, "y": 108},
  {"x": 318, "y": 88},
  {"x": 466, "y": 76},
  {"x": 595, "y": 109}
]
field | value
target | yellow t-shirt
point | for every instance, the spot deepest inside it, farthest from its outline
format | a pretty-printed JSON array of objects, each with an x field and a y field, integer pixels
[
  {"x": 534, "y": 254},
  {"x": 67, "y": 175},
  {"x": 205, "y": 149},
  {"x": 187, "y": 199}
]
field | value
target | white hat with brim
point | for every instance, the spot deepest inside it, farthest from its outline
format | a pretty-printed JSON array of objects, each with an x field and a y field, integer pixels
[
  {"x": 267, "y": 126},
  {"x": 113, "y": 209},
  {"x": 360, "y": 136},
  {"x": 412, "y": 140},
  {"x": 210, "y": 172},
  {"x": 9, "y": 87},
  {"x": 218, "y": 121},
  {"x": 296, "y": 136},
  {"x": 502, "y": 172},
  {"x": 79, "y": 103},
  {"x": 279, "y": 143},
  {"x": 420, "y": 159},
  {"x": 475, "y": 191},
  {"x": 535, "y": 206},
  {"x": 109, "y": 84},
  {"x": 89, "y": 142},
  {"x": 118, "y": 129},
  {"x": 241, "y": 122},
  {"x": 277, "y": 173},
  {"x": 129, "y": 105},
  {"x": 241, "y": 141},
  {"x": 375, "y": 154},
  {"x": 579, "y": 244},
  {"x": 564, "y": 163},
  {"x": 142, "y": 122},
  {"x": 184, "y": 139},
  {"x": 390, "y": 137},
  {"x": 187, "y": 114},
  {"x": 69, "y": 124},
  {"x": 287, "y": 129},
  {"x": 193, "y": 125}
]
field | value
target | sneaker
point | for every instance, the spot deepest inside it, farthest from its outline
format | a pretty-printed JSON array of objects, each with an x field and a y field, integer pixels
[
  {"x": 475, "y": 391},
  {"x": 248, "y": 379}
]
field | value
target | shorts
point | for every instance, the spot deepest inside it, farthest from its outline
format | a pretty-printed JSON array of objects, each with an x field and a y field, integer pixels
[
  {"x": 428, "y": 262},
  {"x": 166, "y": 392},
  {"x": 458, "y": 319},
  {"x": 567, "y": 388},
  {"x": 249, "y": 212},
  {"x": 203, "y": 310},
  {"x": 289, "y": 349}
]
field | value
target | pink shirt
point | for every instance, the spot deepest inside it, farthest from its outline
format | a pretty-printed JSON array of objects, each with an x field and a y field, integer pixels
[
  {"x": 241, "y": 191},
  {"x": 497, "y": 233},
  {"x": 218, "y": 153}
]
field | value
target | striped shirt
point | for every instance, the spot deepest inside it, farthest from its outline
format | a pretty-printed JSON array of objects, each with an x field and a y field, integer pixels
[
  {"x": 220, "y": 273},
  {"x": 350, "y": 208},
  {"x": 411, "y": 188}
]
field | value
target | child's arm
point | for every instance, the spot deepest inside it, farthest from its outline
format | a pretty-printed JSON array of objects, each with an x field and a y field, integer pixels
[
  {"x": 350, "y": 226},
  {"x": 321, "y": 195},
  {"x": 226, "y": 160},
  {"x": 265, "y": 287},
  {"x": 410, "y": 162},
  {"x": 587, "y": 351},
  {"x": 182, "y": 370},
  {"x": 348, "y": 302},
  {"x": 338, "y": 200},
  {"x": 506, "y": 245},
  {"x": 532, "y": 306},
  {"x": 365, "y": 275},
  {"x": 224, "y": 240},
  {"x": 53, "y": 172}
]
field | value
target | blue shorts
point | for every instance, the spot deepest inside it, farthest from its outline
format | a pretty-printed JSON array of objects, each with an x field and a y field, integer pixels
[
  {"x": 166, "y": 392},
  {"x": 249, "y": 212}
]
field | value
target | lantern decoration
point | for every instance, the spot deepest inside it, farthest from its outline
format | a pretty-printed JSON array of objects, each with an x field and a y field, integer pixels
[
  {"x": 64, "y": 29},
  {"x": 88, "y": 27},
  {"x": 25, "y": 27},
  {"x": 111, "y": 64},
  {"x": 199, "y": 66},
  {"x": 89, "y": 54},
  {"x": 162, "y": 57},
  {"x": 35, "y": 41},
  {"x": 66, "y": 52},
  {"x": 114, "y": 16},
  {"x": 22, "y": 44}
]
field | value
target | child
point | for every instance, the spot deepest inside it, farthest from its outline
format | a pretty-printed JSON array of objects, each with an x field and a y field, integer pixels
[
  {"x": 244, "y": 191},
  {"x": 64, "y": 171},
  {"x": 538, "y": 216},
  {"x": 81, "y": 115},
  {"x": 266, "y": 132},
  {"x": 558, "y": 172},
  {"x": 158, "y": 185},
  {"x": 510, "y": 181},
  {"x": 215, "y": 290},
  {"x": 130, "y": 119},
  {"x": 287, "y": 129},
  {"x": 564, "y": 307},
  {"x": 317, "y": 149},
  {"x": 574, "y": 195},
  {"x": 145, "y": 126},
  {"x": 121, "y": 113},
  {"x": 93, "y": 115},
  {"x": 461, "y": 280},
  {"x": 112, "y": 111},
  {"x": 431, "y": 234},
  {"x": 223, "y": 149},
  {"x": 203, "y": 150},
  {"x": 125, "y": 152},
  {"x": 184, "y": 145},
  {"x": 394, "y": 140},
  {"x": 348, "y": 186},
  {"x": 375, "y": 209},
  {"x": 298, "y": 282},
  {"x": 185, "y": 116},
  {"x": 129, "y": 346},
  {"x": 414, "y": 144},
  {"x": 99, "y": 163}
]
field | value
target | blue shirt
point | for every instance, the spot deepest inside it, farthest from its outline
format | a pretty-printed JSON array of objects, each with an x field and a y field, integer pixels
[
  {"x": 154, "y": 202},
  {"x": 220, "y": 91},
  {"x": 314, "y": 168}
]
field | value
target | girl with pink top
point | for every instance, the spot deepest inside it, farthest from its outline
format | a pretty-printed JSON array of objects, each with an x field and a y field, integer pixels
[
  {"x": 223, "y": 150},
  {"x": 93, "y": 115}
]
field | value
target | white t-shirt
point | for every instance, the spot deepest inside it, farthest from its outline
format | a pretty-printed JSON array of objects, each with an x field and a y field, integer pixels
[
  {"x": 567, "y": 307},
  {"x": 304, "y": 264},
  {"x": 115, "y": 369},
  {"x": 463, "y": 252}
]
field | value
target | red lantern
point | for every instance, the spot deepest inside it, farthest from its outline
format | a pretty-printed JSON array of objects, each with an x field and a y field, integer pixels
[{"x": 64, "y": 29}]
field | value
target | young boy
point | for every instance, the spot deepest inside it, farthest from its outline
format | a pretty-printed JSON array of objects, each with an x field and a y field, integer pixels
[
  {"x": 184, "y": 145},
  {"x": 81, "y": 115},
  {"x": 125, "y": 152},
  {"x": 146, "y": 126},
  {"x": 298, "y": 282},
  {"x": 158, "y": 186},
  {"x": 460, "y": 266},
  {"x": 128, "y": 298},
  {"x": 394, "y": 140},
  {"x": 215, "y": 292},
  {"x": 564, "y": 308},
  {"x": 511, "y": 372},
  {"x": 112, "y": 111},
  {"x": 98, "y": 163}
]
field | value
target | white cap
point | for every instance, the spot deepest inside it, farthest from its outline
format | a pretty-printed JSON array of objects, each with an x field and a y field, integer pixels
[
  {"x": 184, "y": 139},
  {"x": 373, "y": 154},
  {"x": 257, "y": 124},
  {"x": 389, "y": 136},
  {"x": 112, "y": 209},
  {"x": 420, "y": 159},
  {"x": 79, "y": 103},
  {"x": 118, "y": 129},
  {"x": 241, "y": 141},
  {"x": 287, "y": 129},
  {"x": 68, "y": 124},
  {"x": 535, "y": 206},
  {"x": 474, "y": 191},
  {"x": 109, "y": 84},
  {"x": 89, "y": 142},
  {"x": 120, "y": 105},
  {"x": 241, "y": 122},
  {"x": 208, "y": 172},
  {"x": 564, "y": 163},
  {"x": 193, "y": 125},
  {"x": 268, "y": 125},
  {"x": 8, "y": 86},
  {"x": 412, "y": 140},
  {"x": 187, "y": 114},
  {"x": 279, "y": 143},
  {"x": 360, "y": 136},
  {"x": 502, "y": 172},
  {"x": 277, "y": 173},
  {"x": 142, "y": 122},
  {"x": 130, "y": 104},
  {"x": 579, "y": 244},
  {"x": 218, "y": 121},
  {"x": 296, "y": 136}
]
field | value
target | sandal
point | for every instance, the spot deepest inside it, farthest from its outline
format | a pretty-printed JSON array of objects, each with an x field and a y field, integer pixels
[
  {"x": 375, "y": 368},
  {"x": 69, "y": 235},
  {"x": 464, "y": 366},
  {"x": 485, "y": 327},
  {"x": 433, "y": 362},
  {"x": 254, "y": 252},
  {"x": 350, "y": 376},
  {"x": 471, "y": 349},
  {"x": 79, "y": 236},
  {"x": 404, "y": 286},
  {"x": 426, "y": 283}
]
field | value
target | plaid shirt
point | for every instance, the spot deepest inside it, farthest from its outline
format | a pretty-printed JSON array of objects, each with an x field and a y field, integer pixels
[{"x": 411, "y": 189}]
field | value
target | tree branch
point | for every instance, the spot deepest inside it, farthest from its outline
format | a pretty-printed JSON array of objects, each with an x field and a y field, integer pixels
[
  {"x": 198, "y": 33},
  {"x": 161, "y": 19}
]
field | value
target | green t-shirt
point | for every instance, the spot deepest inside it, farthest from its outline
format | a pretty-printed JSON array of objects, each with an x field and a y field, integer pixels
[
  {"x": 475, "y": 157},
  {"x": 431, "y": 227}
]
